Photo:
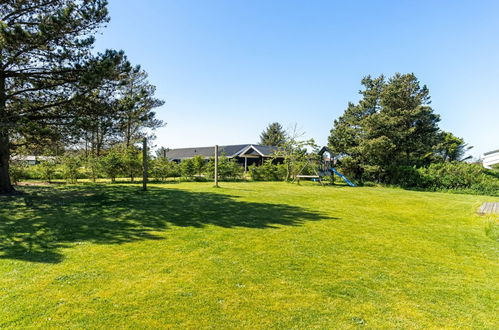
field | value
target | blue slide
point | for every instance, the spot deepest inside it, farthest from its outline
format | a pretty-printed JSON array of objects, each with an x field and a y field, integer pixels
[{"x": 343, "y": 177}]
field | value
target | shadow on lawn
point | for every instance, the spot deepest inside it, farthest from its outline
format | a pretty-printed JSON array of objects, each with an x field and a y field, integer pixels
[{"x": 35, "y": 226}]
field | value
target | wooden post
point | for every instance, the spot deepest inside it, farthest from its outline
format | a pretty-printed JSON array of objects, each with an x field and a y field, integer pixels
[
  {"x": 245, "y": 164},
  {"x": 216, "y": 166},
  {"x": 144, "y": 164}
]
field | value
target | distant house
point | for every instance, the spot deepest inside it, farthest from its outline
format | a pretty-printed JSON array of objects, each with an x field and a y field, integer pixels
[
  {"x": 244, "y": 154},
  {"x": 490, "y": 158},
  {"x": 31, "y": 160}
]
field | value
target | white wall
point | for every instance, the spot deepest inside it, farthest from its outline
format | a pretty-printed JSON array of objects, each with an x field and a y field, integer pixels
[{"x": 491, "y": 159}]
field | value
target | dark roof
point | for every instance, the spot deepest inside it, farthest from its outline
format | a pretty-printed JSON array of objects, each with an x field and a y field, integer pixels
[
  {"x": 323, "y": 150},
  {"x": 229, "y": 151},
  {"x": 491, "y": 152}
]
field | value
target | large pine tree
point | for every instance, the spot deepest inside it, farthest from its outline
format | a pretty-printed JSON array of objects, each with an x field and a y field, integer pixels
[
  {"x": 46, "y": 63},
  {"x": 391, "y": 126}
]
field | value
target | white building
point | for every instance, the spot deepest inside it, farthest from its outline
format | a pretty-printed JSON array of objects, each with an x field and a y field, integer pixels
[
  {"x": 31, "y": 160},
  {"x": 490, "y": 158}
]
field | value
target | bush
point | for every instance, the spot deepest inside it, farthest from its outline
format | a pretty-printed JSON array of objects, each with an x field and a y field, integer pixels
[
  {"x": 472, "y": 178},
  {"x": 187, "y": 168},
  {"x": 228, "y": 169},
  {"x": 405, "y": 176},
  {"x": 268, "y": 172},
  {"x": 131, "y": 162},
  {"x": 162, "y": 168},
  {"x": 71, "y": 168},
  {"x": 93, "y": 167},
  {"x": 47, "y": 170},
  {"x": 199, "y": 164},
  {"x": 17, "y": 171},
  {"x": 112, "y": 164}
]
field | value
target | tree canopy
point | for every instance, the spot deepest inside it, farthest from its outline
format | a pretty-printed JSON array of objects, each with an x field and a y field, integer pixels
[
  {"x": 273, "y": 135},
  {"x": 53, "y": 87},
  {"x": 392, "y": 126}
]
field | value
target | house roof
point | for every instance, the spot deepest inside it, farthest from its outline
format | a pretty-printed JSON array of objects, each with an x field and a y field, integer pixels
[
  {"x": 491, "y": 152},
  {"x": 31, "y": 158},
  {"x": 229, "y": 151}
]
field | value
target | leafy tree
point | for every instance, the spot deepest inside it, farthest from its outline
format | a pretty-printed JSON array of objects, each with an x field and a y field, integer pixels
[
  {"x": 112, "y": 164},
  {"x": 70, "y": 168},
  {"x": 451, "y": 148},
  {"x": 47, "y": 169},
  {"x": 17, "y": 171},
  {"x": 136, "y": 106},
  {"x": 227, "y": 168},
  {"x": 46, "y": 67},
  {"x": 273, "y": 135},
  {"x": 390, "y": 127},
  {"x": 268, "y": 171},
  {"x": 161, "y": 152},
  {"x": 130, "y": 161},
  {"x": 161, "y": 168},
  {"x": 118, "y": 112},
  {"x": 97, "y": 126},
  {"x": 294, "y": 152},
  {"x": 187, "y": 168},
  {"x": 94, "y": 165},
  {"x": 199, "y": 164}
]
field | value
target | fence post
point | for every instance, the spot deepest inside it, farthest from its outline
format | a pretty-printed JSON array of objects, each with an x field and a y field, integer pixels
[
  {"x": 216, "y": 165},
  {"x": 144, "y": 164}
]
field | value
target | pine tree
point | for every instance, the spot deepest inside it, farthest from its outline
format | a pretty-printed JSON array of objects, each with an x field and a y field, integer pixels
[
  {"x": 273, "y": 135},
  {"x": 392, "y": 126},
  {"x": 46, "y": 66}
]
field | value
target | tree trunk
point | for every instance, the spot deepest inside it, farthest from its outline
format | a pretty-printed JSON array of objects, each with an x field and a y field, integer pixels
[{"x": 5, "y": 183}]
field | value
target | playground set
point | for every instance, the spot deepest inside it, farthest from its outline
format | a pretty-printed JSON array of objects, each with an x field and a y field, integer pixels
[{"x": 323, "y": 167}]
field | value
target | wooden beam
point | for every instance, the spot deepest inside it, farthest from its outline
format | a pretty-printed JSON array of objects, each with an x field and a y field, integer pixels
[
  {"x": 216, "y": 166},
  {"x": 144, "y": 164}
]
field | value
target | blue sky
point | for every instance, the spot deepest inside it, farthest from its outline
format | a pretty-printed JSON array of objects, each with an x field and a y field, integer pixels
[{"x": 228, "y": 68}]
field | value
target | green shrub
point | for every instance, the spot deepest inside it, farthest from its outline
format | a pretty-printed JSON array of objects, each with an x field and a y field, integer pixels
[
  {"x": 473, "y": 178},
  {"x": 159, "y": 168},
  {"x": 17, "y": 171},
  {"x": 174, "y": 171},
  {"x": 228, "y": 169},
  {"x": 111, "y": 164},
  {"x": 268, "y": 172},
  {"x": 188, "y": 169},
  {"x": 71, "y": 168},
  {"x": 47, "y": 170},
  {"x": 131, "y": 162},
  {"x": 404, "y": 176},
  {"x": 93, "y": 167},
  {"x": 199, "y": 164}
]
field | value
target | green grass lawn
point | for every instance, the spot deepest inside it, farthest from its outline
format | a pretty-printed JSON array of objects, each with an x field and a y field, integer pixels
[{"x": 248, "y": 255}]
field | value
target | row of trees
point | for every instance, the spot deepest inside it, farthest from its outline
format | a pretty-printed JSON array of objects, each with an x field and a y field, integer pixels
[
  {"x": 123, "y": 162},
  {"x": 56, "y": 92}
]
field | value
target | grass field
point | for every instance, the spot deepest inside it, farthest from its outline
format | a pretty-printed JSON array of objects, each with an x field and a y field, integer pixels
[{"x": 247, "y": 255}]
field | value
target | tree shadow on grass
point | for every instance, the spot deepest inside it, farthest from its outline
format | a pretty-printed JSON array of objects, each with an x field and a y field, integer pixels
[{"x": 44, "y": 220}]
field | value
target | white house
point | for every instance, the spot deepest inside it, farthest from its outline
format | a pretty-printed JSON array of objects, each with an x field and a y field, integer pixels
[
  {"x": 31, "y": 160},
  {"x": 490, "y": 158}
]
